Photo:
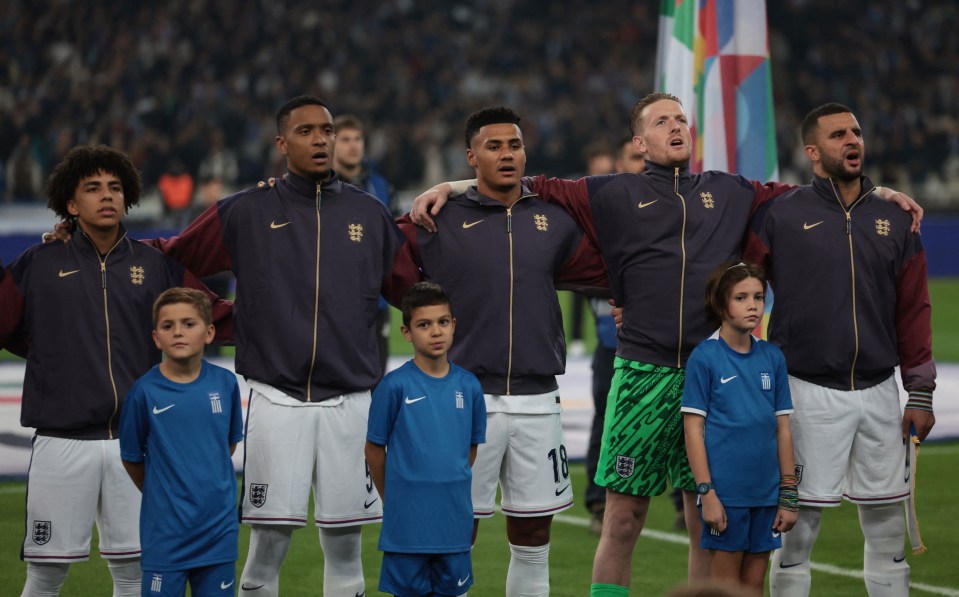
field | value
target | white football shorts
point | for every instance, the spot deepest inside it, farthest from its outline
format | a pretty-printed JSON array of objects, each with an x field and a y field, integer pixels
[
  {"x": 848, "y": 444},
  {"x": 295, "y": 445},
  {"x": 525, "y": 453},
  {"x": 73, "y": 483}
]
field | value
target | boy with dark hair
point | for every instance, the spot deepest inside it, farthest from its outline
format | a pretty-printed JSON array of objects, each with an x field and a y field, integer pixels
[
  {"x": 188, "y": 520},
  {"x": 431, "y": 415},
  {"x": 82, "y": 309}
]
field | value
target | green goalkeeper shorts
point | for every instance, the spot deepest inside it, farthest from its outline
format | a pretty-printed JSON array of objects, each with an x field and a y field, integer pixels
[{"x": 643, "y": 443}]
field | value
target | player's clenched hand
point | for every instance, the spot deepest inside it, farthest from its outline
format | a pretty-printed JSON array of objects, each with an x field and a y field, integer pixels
[
  {"x": 60, "y": 232},
  {"x": 429, "y": 203},
  {"x": 785, "y": 520},
  {"x": 714, "y": 515},
  {"x": 617, "y": 313},
  {"x": 921, "y": 420}
]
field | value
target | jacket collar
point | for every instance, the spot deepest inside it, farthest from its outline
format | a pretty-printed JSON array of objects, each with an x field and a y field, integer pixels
[
  {"x": 307, "y": 187},
  {"x": 84, "y": 244},
  {"x": 666, "y": 173},
  {"x": 827, "y": 189},
  {"x": 473, "y": 194}
]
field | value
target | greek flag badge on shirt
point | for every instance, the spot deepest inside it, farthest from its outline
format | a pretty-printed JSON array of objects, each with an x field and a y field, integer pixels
[
  {"x": 215, "y": 405},
  {"x": 459, "y": 399},
  {"x": 766, "y": 380},
  {"x": 156, "y": 585}
]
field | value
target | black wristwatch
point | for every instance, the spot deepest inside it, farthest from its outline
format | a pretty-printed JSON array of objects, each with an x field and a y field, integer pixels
[{"x": 703, "y": 488}]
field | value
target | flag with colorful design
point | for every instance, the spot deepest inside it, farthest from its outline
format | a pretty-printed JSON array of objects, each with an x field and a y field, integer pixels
[{"x": 714, "y": 56}]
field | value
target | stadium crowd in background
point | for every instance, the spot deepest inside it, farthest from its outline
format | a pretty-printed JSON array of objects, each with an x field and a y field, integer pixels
[{"x": 175, "y": 76}]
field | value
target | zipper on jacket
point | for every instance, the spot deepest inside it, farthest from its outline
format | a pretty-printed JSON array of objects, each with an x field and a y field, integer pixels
[
  {"x": 106, "y": 319},
  {"x": 852, "y": 269},
  {"x": 682, "y": 280},
  {"x": 509, "y": 235},
  {"x": 316, "y": 296}
]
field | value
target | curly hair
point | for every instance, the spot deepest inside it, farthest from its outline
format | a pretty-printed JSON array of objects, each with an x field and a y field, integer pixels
[{"x": 83, "y": 161}]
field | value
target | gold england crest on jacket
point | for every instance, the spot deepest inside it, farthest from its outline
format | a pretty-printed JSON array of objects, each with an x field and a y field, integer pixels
[
  {"x": 136, "y": 275},
  {"x": 707, "y": 198},
  {"x": 356, "y": 232},
  {"x": 542, "y": 224},
  {"x": 883, "y": 227}
]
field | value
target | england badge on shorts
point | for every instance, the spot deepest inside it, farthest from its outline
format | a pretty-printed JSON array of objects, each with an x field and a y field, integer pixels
[
  {"x": 258, "y": 494},
  {"x": 42, "y": 531},
  {"x": 625, "y": 465}
]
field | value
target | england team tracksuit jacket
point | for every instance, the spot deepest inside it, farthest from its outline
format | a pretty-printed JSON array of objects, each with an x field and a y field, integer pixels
[
  {"x": 661, "y": 234},
  {"x": 85, "y": 324},
  {"x": 846, "y": 325},
  {"x": 310, "y": 259},
  {"x": 501, "y": 266}
]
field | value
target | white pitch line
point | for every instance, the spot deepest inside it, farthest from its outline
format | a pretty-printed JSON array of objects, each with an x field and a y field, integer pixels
[{"x": 680, "y": 539}]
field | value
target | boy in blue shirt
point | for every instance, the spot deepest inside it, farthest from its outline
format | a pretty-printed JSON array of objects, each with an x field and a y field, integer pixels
[
  {"x": 426, "y": 419},
  {"x": 181, "y": 423}
]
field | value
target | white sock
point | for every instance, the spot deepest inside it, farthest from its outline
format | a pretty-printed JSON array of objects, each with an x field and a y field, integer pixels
[
  {"x": 342, "y": 564},
  {"x": 126, "y": 575},
  {"x": 528, "y": 574},
  {"x": 789, "y": 572},
  {"x": 44, "y": 580},
  {"x": 884, "y": 560},
  {"x": 268, "y": 547}
]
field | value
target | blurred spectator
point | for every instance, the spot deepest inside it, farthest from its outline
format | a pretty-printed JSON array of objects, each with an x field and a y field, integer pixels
[
  {"x": 24, "y": 175},
  {"x": 176, "y": 189}
]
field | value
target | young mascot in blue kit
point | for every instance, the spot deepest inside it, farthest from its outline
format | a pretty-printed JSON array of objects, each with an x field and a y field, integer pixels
[
  {"x": 181, "y": 423},
  {"x": 426, "y": 419},
  {"x": 736, "y": 408}
]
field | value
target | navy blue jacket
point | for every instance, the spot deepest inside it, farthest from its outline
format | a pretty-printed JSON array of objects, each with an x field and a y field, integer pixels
[
  {"x": 852, "y": 299},
  {"x": 500, "y": 267},
  {"x": 661, "y": 234},
  {"x": 310, "y": 259},
  {"x": 88, "y": 331}
]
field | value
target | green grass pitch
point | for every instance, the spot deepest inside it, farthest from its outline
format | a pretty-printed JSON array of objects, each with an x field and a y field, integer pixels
[{"x": 659, "y": 562}]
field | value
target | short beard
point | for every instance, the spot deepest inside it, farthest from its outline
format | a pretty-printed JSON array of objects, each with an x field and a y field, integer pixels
[{"x": 837, "y": 169}]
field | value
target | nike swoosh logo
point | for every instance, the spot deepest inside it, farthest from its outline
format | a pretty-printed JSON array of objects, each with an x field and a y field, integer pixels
[
  {"x": 64, "y": 274},
  {"x": 412, "y": 400},
  {"x": 809, "y": 226},
  {"x": 775, "y": 534},
  {"x": 897, "y": 560},
  {"x": 643, "y": 204},
  {"x": 471, "y": 224},
  {"x": 785, "y": 565},
  {"x": 462, "y": 581},
  {"x": 157, "y": 411},
  {"x": 363, "y": 594},
  {"x": 881, "y": 584},
  {"x": 274, "y": 225},
  {"x": 227, "y": 585},
  {"x": 251, "y": 587},
  {"x": 727, "y": 379},
  {"x": 560, "y": 491},
  {"x": 366, "y": 505}
]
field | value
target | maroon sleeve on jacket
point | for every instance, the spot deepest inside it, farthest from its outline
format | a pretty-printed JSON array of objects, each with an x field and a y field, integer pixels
[
  {"x": 222, "y": 308},
  {"x": 201, "y": 247},
  {"x": 585, "y": 271},
  {"x": 914, "y": 327},
  {"x": 11, "y": 315},
  {"x": 571, "y": 195},
  {"x": 767, "y": 191},
  {"x": 406, "y": 264}
]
